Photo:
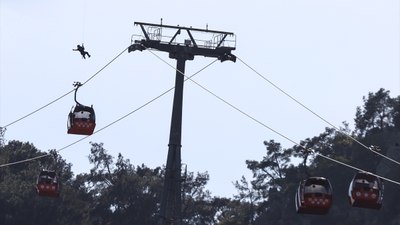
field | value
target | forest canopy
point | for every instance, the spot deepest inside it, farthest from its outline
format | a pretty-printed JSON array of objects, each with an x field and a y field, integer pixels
[{"x": 115, "y": 192}]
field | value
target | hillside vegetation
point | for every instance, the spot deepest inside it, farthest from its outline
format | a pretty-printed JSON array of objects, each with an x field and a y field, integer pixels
[{"x": 115, "y": 192}]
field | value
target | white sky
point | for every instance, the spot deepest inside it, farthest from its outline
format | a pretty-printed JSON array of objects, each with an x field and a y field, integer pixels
[{"x": 327, "y": 54}]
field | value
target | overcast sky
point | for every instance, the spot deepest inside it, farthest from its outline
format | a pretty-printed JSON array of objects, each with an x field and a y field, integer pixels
[{"x": 327, "y": 54}]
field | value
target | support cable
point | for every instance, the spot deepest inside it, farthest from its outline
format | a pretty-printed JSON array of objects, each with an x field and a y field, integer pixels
[
  {"x": 355, "y": 168},
  {"x": 226, "y": 102},
  {"x": 25, "y": 160},
  {"x": 221, "y": 99},
  {"x": 110, "y": 124},
  {"x": 37, "y": 110},
  {"x": 269, "y": 128},
  {"x": 62, "y": 96},
  {"x": 317, "y": 115}
]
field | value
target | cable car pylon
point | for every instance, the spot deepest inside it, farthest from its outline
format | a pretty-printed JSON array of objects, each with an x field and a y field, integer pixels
[{"x": 219, "y": 45}]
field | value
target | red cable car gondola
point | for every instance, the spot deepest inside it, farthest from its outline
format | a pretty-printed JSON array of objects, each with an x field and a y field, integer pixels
[
  {"x": 366, "y": 191},
  {"x": 314, "y": 196},
  {"x": 47, "y": 184},
  {"x": 81, "y": 119}
]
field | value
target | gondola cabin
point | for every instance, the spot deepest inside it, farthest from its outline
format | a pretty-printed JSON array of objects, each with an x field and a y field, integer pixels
[
  {"x": 314, "y": 196},
  {"x": 81, "y": 120},
  {"x": 47, "y": 184},
  {"x": 366, "y": 191}
]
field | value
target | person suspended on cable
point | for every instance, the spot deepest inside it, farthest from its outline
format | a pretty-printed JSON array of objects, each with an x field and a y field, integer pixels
[{"x": 81, "y": 49}]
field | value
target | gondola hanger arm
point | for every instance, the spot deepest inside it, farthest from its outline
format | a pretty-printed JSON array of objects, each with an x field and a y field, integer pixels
[{"x": 77, "y": 84}]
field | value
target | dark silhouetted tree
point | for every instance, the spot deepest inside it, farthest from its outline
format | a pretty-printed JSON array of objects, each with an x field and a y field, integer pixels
[{"x": 377, "y": 112}]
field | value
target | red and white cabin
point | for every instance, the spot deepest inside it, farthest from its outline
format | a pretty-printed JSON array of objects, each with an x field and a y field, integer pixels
[
  {"x": 366, "y": 191},
  {"x": 314, "y": 196},
  {"x": 81, "y": 120},
  {"x": 47, "y": 184}
]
